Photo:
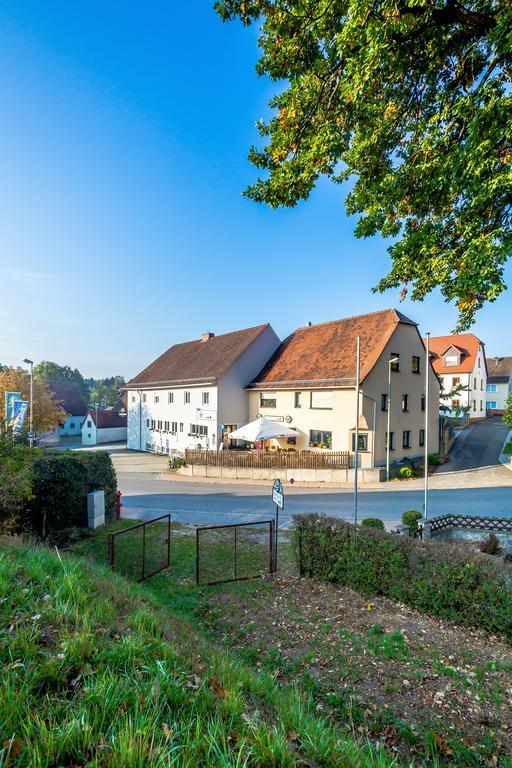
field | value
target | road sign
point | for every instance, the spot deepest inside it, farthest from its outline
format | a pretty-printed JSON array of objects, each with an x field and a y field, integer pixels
[{"x": 278, "y": 494}]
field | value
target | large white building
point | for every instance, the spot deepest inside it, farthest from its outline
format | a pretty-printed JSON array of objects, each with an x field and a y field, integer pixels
[
  {"x": 460, "y": 363},
  {"x": 194, "y": 394}
]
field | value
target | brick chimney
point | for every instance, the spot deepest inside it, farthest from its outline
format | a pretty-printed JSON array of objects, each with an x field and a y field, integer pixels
[{"x": 207, "y": 336}]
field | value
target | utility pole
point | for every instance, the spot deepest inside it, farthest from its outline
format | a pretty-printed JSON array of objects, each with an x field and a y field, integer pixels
[
  {"x": 427, "y": 371},
  {"x": 31, "y": 407}
]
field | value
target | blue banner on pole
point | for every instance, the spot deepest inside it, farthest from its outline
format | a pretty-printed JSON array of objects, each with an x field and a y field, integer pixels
[
  {"x": 19, "y": 414},
  {"x": 10, "y": 398}
]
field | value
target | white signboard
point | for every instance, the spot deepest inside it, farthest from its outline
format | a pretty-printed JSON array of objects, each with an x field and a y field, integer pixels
[
  {"x": 207, "y": 415},
  {"x": 278, "y": 494}
]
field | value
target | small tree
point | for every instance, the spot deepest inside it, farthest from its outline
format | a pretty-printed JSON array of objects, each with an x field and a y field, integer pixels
[
  {"x": 507, "y": 414},
  {"x": 47, "y": 412}
]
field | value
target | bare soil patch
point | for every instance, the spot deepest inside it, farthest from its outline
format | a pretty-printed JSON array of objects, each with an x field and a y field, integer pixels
[{"x": 431, "y": 691}]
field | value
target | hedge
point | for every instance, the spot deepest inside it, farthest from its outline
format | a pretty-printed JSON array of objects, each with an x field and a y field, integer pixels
[
  {"x": 441, "y": 578},
  {"x": 61, "y": 482}
]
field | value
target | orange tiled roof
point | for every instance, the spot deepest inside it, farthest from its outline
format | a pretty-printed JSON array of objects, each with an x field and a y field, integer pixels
[
  {"x": 466, "y": 343},
  {"x": 324, "y": 355},
  {"x": 195, "y": 361}
]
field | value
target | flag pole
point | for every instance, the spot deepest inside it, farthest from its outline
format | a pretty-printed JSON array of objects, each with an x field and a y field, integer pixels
[
  {"x": 358, "y": 362},
  {"x": 427, "y": 413}
]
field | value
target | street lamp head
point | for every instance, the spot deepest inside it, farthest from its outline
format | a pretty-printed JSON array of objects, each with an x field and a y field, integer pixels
[
  {"x": 393, "y": 360},
  {"x": 28, "y": 362}
]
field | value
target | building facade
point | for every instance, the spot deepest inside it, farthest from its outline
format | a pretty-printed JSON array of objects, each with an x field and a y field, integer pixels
[
  {"x": 103, "y": 425},
  {"x": 309, "y": 383},
  {"x": 499, "y": 384},
  {"x": 460, "y": 363},
  {"x": 194, "y": 394},
  {"x": 68, "y": 395}
]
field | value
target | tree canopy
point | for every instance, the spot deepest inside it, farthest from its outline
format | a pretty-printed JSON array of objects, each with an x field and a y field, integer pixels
[
  {"x": 49, "y": 371},
  {"x": 409, "y": 102}
]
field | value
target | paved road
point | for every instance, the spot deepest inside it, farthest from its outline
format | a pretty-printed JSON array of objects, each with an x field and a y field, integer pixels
[
  {"x": 479, "y": 445},
  {"x": 207, "y": 504}
]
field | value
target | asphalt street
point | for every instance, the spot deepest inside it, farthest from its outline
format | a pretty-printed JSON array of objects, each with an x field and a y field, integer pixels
[
  {"x": 210, "y": 504},
  {"x": 479, "y": 445}
]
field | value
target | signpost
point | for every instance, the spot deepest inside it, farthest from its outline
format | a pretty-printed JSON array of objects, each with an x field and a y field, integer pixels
[{"x": 278, "y": 499}]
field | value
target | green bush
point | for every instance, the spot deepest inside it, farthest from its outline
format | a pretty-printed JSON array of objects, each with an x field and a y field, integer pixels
[
  {"x": 434, "y": 459},
  {"x": 508, "y": 449},
  {"x": 61, "y": 482},
  {"x": 406, "y": 472},
  {"x": 373, "y": 522},
  {"x": 441, "y": 578},
  {"x": 411, "y": 518}
]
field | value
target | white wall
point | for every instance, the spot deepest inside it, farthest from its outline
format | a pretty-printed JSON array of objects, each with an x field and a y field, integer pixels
[
  {"x": 499, "y": 396},
  {"x": 153, "y": 405},
  {"x": 93, "y": 436}
]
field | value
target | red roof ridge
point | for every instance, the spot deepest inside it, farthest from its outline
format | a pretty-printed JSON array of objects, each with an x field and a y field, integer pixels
[{"x": 401, "y": 318}]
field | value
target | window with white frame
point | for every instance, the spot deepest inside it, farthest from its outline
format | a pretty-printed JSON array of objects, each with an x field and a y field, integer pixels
[
  {"x": 321, "y": 400},
  {"x": 166, "y": 426},
  {"x": 174, "y": 426},
  {"x": 205, "y": 398},
  {"x": 492, "y": 388},
  {"x": 186, "y": 398},
  {"x": 268, "y": 400},
  {"x": 451, "y": 360},
  {"x": 144, "y": 397},
  {"x": 171, "y": 398},
  {"x": 159, "y": 425},
  {"x": 491, "y": 405},
  {"x": 157, "y": 398}
]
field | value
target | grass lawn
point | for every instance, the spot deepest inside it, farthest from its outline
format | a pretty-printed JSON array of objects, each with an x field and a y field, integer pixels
[
  {"x": 97, "y": 671},
  {"x": 429, "y": 692}
]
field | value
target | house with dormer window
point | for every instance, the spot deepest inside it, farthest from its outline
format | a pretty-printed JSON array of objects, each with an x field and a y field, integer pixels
[{"x": 460, "y": 363}]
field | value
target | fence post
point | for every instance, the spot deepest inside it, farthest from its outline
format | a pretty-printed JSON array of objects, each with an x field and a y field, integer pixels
[
  {"x": 143, "y": 551},
  {"x": 197, "y": 555},
  {"x": 271, "y": 548},
  {"x": 111, "y": 550},
  {"x": 236, "y": 527},
  {"x": 169, "y": 541}
]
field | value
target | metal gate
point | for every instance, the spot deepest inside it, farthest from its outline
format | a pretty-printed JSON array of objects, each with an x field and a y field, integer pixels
[
  {"x": 234, "y": 552},
  {"x": 141, "y": 550}
]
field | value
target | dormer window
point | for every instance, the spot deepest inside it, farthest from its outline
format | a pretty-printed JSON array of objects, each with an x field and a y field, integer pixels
[{"x": 451, "y": 359}]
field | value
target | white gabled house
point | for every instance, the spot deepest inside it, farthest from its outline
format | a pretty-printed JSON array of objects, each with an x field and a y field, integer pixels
[
  {"x": 194, "y": 394},
  {"x": 461, "y": 366}
]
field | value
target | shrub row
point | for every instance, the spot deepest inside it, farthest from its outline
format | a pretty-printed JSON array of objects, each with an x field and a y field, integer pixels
[
  {"x": 56, "y": 484},
  {"x": 440, "y": 578}
]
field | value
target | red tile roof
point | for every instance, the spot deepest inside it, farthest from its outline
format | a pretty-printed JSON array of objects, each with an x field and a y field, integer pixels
[
  {"x": 324, "y": 355},
  {"x": 466, "y": 343},
  {"x": 107, "y": 418},
  {"x": 68, "y": 395},
  {"x": 197, "y": 361},
  {"x": 499, "y": 368}
]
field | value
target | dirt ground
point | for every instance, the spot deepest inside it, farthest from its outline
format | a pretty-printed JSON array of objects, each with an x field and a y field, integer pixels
[{"x": 423, "y": 687}]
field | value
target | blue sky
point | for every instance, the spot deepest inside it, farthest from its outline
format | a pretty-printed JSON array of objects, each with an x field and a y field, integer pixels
[{"x": 123, "y": 154}]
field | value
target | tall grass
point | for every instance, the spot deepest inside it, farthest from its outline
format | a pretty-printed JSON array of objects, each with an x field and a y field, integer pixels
[{"x": 95, "y": 673}]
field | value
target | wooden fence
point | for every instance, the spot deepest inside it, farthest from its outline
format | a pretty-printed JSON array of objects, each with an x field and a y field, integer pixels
[{"x": 270, "y": 459}]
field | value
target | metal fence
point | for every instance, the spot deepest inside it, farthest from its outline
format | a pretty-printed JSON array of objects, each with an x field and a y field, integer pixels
[
  {"x": 141, "y": 550},
  {"x": 270, "y": 459},
  {"x": 469, "y": 521},
  {"x": 234, "y": 552}
]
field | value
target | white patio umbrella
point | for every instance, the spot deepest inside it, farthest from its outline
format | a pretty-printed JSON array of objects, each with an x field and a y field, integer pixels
[{"x": 262, "y": 429}]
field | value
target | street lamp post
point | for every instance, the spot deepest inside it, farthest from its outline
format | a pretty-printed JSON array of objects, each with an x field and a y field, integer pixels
[
  {"x": 31, "y": 412},
  {"x": 388, "y": 440},
  {"x": 427, "y": 417}
]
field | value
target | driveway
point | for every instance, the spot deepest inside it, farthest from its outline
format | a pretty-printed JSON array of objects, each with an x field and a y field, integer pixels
[{"x": 479, "y": 445}]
